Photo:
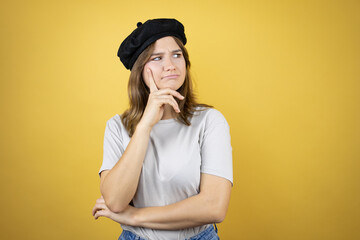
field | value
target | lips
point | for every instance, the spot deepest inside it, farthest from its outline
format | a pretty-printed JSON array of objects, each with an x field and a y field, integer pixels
[{"x": 171, "y": 76}]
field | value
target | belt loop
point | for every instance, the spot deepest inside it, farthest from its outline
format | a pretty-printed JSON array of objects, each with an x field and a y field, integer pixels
[{"x": 216, "y": 229}]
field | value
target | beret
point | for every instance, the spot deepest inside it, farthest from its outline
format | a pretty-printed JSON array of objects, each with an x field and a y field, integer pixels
[{"x": 145, "y": 34}]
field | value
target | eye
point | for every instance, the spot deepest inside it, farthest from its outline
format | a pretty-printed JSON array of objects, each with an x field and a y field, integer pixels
[
  {"x": 156, "y": 59},
  {"x": 177, "y": 55}
]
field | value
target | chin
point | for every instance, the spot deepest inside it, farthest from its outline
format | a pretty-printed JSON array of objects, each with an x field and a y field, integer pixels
[{"x": 173, "y": 87}]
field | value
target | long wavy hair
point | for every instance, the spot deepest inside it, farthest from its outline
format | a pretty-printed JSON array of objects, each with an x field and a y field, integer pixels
[{"x": 138, "y": 92}]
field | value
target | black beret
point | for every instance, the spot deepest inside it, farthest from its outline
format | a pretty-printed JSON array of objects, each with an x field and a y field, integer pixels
[{"x": 145, "y": 34}]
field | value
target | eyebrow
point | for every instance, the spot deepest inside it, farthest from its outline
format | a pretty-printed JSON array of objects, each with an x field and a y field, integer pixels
[{"x": 162, "y": 53}]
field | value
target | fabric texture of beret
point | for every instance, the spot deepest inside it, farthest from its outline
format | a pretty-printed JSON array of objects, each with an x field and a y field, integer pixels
[{"x": 145, "y": 34}]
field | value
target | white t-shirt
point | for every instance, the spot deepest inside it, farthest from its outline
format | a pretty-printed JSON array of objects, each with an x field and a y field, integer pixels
[{"x": 176, "y": 156}]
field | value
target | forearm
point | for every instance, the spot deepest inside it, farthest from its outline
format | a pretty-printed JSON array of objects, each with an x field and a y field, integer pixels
[
  {"x": 194, "y": 211},
  {"x": 209, "y": 206},
  {"x": 119, "y": 185}
]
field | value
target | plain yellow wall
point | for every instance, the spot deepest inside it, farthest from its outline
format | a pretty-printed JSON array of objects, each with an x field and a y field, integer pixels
[{"x": 285, "y": 74}]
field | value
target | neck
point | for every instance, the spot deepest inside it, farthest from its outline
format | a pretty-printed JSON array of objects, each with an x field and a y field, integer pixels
[{"x": 169, "y": 112}]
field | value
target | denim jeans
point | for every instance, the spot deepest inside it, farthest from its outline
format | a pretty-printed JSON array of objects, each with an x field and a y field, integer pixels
[{"x": 208, "y": 234}]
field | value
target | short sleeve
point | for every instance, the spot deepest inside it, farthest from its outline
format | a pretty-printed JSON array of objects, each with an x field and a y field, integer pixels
[
  {"x": 113, "y": 145},
  {"x": 216, "y": 150}
]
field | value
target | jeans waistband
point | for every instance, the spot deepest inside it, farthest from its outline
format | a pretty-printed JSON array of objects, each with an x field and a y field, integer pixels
[{"x": 209, "y": 233}]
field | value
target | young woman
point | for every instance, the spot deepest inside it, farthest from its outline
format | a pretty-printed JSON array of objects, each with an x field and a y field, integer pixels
[{"x": 167, "y": 164}]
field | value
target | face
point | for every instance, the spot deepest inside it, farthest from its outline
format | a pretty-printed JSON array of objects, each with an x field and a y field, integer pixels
[{"x": 167, "y": 65}]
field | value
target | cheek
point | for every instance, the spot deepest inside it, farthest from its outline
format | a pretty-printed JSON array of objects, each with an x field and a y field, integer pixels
[
  {"x": 182, "y": 65},
  {"x": 154, "y": 70},
  {"x": 145, "y": 74},
  {"x": 183, "y": 68}
]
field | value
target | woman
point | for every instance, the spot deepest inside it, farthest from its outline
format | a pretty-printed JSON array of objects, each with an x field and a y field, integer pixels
[{"x": 167, "y": 166}]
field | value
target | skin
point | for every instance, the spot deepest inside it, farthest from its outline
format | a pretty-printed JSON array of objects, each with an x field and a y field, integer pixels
[
  {"x": 209, "y": 206},
  {"x": 167, "y": 59},
  {"x": 166, "y": 69}
]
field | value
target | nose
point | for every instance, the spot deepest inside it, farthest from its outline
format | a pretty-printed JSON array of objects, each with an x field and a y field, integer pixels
[{"x": 168, "y": 64}]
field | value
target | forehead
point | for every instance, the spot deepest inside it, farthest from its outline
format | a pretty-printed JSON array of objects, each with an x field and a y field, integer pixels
[{"x": 166, "y": 44}]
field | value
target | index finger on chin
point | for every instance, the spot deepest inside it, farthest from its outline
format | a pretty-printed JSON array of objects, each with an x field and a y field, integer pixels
[{"x": 153, "y": 86}]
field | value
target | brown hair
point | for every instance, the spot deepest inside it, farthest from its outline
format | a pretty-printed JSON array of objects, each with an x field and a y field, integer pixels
[{"x": 139, "y": 93}]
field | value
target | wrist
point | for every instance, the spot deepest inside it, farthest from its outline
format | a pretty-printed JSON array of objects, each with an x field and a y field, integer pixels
[
  {"x": 143, "y": 128},
  {"x": 136, "y": 217}
]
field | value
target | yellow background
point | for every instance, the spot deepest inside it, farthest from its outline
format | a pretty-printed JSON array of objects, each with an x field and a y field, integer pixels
[{"x": 285, "y": 74}]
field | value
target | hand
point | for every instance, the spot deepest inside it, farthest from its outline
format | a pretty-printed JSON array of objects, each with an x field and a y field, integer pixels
[
  {"x": 157, "y": 98},
  {"x": 125, "y": 217}
]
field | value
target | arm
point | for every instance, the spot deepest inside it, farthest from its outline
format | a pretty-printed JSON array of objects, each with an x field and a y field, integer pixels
[
  {"x": 125, "y": 173},
  {"x": 209, "y": 206},
  {"x": 118, "y": 185}
]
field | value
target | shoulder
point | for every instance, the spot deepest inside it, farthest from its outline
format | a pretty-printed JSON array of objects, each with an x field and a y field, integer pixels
[
  {"x": 210, "y": 115},
  {"x": 114, "y": 120},
  {"x": 114, "y": 123}
]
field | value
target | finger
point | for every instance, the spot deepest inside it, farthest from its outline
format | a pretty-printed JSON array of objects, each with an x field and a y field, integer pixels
[
  {"x": 170, "y": 92},
  {"x": 170, "y": 100},
  {"x": 167, "y": 100},
  {"x": 98, "y": 207},
  {"x": 100, "y": 213},
  {"x": 153, "y": 86},
  {"x": 94, "y": 210}
]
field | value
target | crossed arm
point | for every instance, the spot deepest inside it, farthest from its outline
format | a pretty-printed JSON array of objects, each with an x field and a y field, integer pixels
[{"x": 209, "y": 206}]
